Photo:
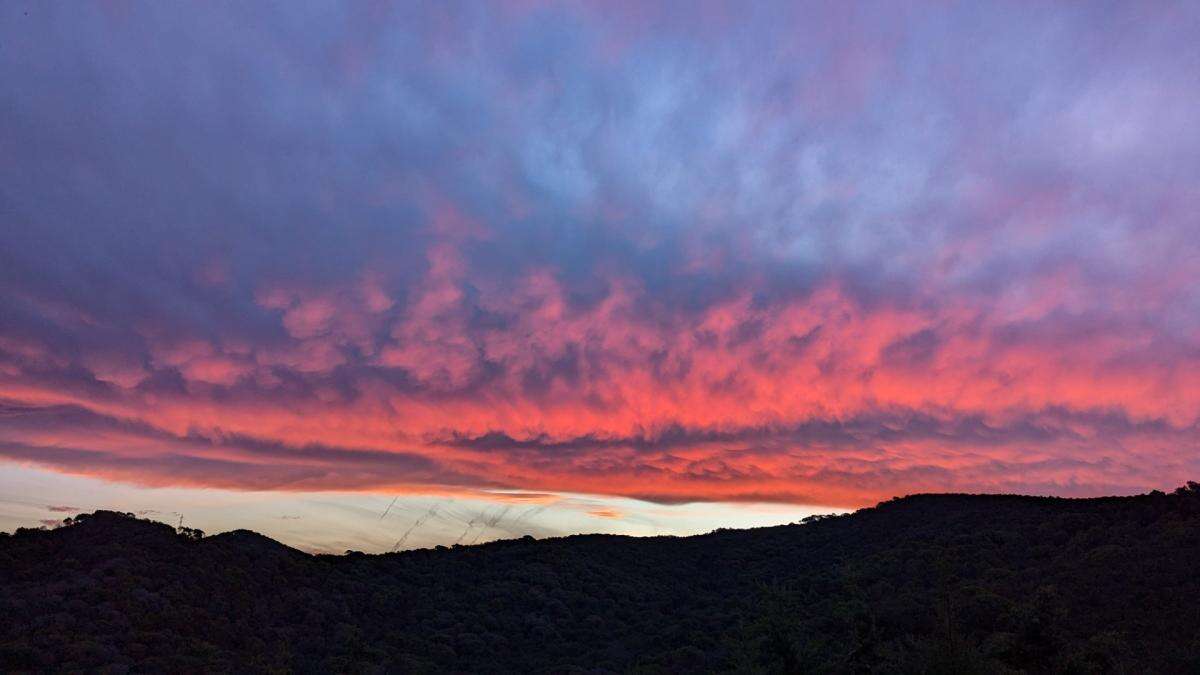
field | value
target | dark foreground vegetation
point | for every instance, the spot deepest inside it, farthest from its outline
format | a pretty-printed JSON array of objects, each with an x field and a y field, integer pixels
[{"x": 934, "y": 583}]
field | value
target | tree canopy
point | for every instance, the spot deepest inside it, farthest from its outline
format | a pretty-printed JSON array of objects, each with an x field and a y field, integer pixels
[{"x": 928, "y": 583}]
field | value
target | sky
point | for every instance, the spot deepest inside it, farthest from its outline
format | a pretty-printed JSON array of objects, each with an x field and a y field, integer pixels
[{"x": 655, "y": 267}]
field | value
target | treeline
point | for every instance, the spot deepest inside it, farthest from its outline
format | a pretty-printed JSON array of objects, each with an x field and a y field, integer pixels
[{"x": 929, "y": 583}]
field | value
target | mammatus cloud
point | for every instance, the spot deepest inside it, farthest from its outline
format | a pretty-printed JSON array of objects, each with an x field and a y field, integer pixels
[{"x": 680, "y": 253}]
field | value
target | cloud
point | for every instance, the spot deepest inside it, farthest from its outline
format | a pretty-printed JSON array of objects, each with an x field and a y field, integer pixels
[{"x": 788, "y": 253}]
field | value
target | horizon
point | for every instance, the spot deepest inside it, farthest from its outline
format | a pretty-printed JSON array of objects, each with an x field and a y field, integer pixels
[
  {"x": 421, "y": 521},
  {"x": 72, "y": 516},
  {"x": 406, "y": 274}
]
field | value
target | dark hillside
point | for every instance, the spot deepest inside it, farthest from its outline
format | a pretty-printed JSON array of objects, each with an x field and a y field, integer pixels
[{"x": 929, "y": 583}]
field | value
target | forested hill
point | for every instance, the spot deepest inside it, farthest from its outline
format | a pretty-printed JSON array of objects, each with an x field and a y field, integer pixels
[{"x": 930, "y": 583}]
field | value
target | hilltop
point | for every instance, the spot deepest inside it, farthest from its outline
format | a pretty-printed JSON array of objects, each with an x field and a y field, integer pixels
[{"x": 927, "y": 583}]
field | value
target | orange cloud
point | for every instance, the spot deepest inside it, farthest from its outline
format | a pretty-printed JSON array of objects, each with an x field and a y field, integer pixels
[{"x": 821, "y": 399}]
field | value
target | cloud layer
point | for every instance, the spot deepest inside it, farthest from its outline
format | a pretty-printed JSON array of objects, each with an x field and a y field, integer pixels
[{"x": 696, "y": 251}]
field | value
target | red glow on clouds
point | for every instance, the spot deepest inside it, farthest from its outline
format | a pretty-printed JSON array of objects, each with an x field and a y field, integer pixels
[
  {"x": 818, "y": 399},
  {"x": 796, "y": 253}
]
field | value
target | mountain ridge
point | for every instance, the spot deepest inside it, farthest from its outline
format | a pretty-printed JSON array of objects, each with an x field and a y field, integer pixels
[{"x": 924, "y": 583}]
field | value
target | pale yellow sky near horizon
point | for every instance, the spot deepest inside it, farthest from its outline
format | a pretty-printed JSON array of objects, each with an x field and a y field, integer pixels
[{"x": 334, "y": 522}]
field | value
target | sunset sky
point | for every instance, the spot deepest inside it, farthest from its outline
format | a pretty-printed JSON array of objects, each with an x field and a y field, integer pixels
[{"x": 545, "y": 268}]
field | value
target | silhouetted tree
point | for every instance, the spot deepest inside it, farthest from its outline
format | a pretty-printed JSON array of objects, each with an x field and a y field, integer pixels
[{"x": 929, "y": 583}]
